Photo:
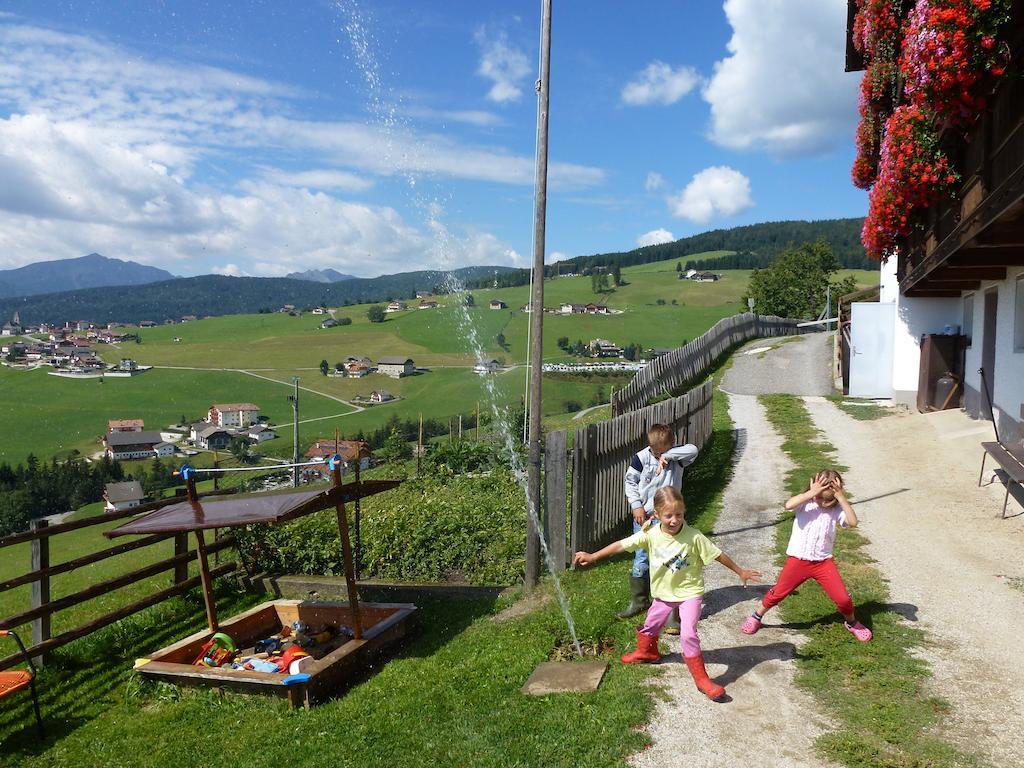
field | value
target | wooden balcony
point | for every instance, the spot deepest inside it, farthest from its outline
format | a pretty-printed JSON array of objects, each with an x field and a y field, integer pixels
[{"x": 979, "y": 232}]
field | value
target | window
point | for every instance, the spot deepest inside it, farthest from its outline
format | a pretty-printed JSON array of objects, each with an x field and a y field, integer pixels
[
  {"x": 967, "y": 329},
  {"x": 1018, "y": 316}
]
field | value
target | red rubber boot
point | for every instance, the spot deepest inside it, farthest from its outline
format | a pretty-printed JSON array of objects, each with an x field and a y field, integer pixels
[
  {"x": 700, "y": 676},
  {"x": 646, "y": 650}
]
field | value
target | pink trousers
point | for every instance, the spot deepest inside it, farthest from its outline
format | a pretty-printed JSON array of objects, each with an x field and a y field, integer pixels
[{"x": 689, "y": 615}]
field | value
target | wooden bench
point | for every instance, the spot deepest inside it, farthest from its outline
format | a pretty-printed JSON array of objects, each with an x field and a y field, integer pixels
[{"x": 1010, "y": 459}]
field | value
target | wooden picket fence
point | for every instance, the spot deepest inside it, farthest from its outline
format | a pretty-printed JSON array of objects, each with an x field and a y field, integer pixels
[
  {"x": 690, "y": 363},
  {"x": 596, "y": 510}
]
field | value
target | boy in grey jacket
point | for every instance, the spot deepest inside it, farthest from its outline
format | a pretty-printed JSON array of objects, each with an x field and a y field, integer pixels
[{"x": 658, "y": 465}]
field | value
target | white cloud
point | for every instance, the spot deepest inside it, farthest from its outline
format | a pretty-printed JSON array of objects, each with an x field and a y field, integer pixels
[
  {"x": 503, "y": 64},
  {"x": 659, "y": 83},
  {"x": 782, "y": 87},
  {"x": 106, "y": 150},
  {"x": 552, "y": 256},
  {"x": 477, "y": 117},
  {"x": 654, "y": 181},
  {"x": 715, "y": 191},
  {"x": 655, "y": 237},
  {"x": 320, "y": 179},
  {"x": 230, "y": 270}
]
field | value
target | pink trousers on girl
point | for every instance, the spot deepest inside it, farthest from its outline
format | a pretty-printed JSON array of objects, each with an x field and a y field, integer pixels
[{"x": 689, "y": 615}]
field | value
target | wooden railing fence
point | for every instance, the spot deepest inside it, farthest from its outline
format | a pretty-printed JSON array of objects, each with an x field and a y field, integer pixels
[
  {"x": 693, "y": 361},
  {"x": 42, "y": 607}
]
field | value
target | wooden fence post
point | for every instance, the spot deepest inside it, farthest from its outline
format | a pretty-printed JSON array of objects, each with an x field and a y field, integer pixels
[
  {"x": 40, "y": 553},
  {"x": 554, "y": 497},
  {"x": 180, "y": 548}
]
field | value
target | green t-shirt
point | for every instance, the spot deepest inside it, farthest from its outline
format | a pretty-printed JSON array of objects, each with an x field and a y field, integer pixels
[{"x": 677, "y": 562}]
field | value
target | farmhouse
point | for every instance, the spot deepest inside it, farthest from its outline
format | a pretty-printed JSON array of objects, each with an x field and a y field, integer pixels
[
  {"x": 357, "y": 367},
  {"x": 396, "y": 367},
  {"x": 260, "y": 434},
  {"x": 396, "y": 306},
  {"x": 428, "y": 304},
  {"x": 498, "y": 304},
  {"x": 196, "y": 429},
  {"x": 349, "y": 450},
  {"x": 124, "y": 446},
  {"x": 318, "y": 310},
  {"x": 486, "y": 366},
  {"x": 381, "y": 396},
  {"x": 233, "y": 414},
  {"x": 147, "y": 324},
  {"x": 596, "y": 309},
  {"x": 572, "y": 309},
  {"x": 604, "y": 348},
  {"x": 125, "y": 425},
  {"x": 122, "y": 496},
  {"x": 214, "y": 438},
  {"x": 705, "y": 277},
  {"x": 952, "y": 291},
  {"x": 330, "y": 322}
]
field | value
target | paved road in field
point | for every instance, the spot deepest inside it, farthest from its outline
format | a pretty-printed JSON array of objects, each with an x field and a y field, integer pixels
[{"x": 794, "y": 365}]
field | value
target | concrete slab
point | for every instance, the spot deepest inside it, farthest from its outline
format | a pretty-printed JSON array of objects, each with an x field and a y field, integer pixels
[{"x": 565, "y": 677}]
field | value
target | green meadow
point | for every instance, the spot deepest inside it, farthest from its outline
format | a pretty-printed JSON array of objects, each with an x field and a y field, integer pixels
[{"x": 47, "y": 415}]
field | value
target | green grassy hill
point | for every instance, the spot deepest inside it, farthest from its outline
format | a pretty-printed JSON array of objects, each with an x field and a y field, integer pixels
[{"x": 48, "y": 415}]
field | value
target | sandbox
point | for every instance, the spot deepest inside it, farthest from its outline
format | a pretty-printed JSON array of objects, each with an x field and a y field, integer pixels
[{"x": 336, "y": 664}]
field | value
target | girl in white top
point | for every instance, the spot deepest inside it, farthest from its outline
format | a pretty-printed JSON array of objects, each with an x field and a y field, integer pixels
[{"x": 819, "y": 509}]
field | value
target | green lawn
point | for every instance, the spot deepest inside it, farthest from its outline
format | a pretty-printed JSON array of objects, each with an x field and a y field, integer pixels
[{"x": 46, "y": 415}]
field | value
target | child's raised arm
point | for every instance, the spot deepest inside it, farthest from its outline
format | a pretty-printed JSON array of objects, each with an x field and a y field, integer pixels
[
  {"x": 586, "y": 558},
  {"x": 744, "y": 573},
  {"x": 818, "y": 484},
  {"x": 850, "y": 517}
]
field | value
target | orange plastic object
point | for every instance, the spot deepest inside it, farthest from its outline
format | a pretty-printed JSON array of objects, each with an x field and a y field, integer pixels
[{"x": 13, "y": 681}]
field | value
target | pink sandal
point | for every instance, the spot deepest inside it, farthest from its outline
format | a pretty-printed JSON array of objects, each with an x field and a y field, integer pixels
[
  {"x": 858, "y": 630},
  {"x": 750, "y": 625}
]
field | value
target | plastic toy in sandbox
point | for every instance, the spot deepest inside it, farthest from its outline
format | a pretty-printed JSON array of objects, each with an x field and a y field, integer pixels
[{"x": 298, "y": 649}]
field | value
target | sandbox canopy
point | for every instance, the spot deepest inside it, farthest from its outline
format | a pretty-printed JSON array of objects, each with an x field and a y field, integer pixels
[{"x": 234, "y": 511}]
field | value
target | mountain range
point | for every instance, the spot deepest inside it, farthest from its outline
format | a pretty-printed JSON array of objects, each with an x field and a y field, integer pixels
[
  {"x": 90, "y": 271},
  {"x": 156, "y": 295}
]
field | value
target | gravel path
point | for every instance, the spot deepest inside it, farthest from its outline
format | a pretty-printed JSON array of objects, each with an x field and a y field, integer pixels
[
  {"x": 939, "y": 541},
  {"x": 689, "y": 729},
  {"x": 797, "y": 365}
]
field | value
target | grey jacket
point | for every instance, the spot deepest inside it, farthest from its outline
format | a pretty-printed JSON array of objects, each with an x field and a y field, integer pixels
[{"x": 642, "y": 478}]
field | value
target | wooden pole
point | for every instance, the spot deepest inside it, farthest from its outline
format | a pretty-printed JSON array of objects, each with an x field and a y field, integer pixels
[
  {"x": 419, "y": 448},
  {"x": 346, "y": 551},
  {"x": 39, "y": 551},
  {"x": 532, "y": 564},
  {"x": 204, "y": 563},
  {"x": 358, "y": 503}
]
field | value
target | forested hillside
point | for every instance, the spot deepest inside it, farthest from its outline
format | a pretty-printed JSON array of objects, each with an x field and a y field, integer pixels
[
  {"x": 756, "y": 245},
  {"x": 220, "y": 295}
]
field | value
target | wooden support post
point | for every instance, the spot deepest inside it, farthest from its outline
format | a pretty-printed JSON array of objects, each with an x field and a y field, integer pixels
[
  {"x": 346, "y": 551},
  {"x": 40, "y": 554},
  {"x": 207, "y": 580},
  {"x": 358, "y": 504},
  {"x": 419, "y": 448},
  {"x": 478, "y": 421},
  {"x": 460, "y": 427},
  {"x": 554, "y": 497},
  {"x": 204, "y": 563},
  {"x": 180, "y": 548}
]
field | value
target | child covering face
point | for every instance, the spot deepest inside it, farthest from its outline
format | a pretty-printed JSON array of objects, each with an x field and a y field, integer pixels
[
  {"x": 819, "y": 511},
  {"x": 678, "y": 554}
]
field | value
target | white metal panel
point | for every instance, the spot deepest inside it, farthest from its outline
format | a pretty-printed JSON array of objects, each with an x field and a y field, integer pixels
[{"x": 871, "y": 349}]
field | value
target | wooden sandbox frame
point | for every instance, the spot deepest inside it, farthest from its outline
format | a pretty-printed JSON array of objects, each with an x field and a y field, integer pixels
[
  {"x": 385, "y": 625},
  {"x": 374, "y": 626}
]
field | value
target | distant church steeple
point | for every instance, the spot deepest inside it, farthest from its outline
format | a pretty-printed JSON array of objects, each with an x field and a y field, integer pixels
[{"x": 16, "y": 320}]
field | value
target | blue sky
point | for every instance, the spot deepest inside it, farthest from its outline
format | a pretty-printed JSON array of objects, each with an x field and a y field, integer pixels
[{"x": 258, "y": 137}]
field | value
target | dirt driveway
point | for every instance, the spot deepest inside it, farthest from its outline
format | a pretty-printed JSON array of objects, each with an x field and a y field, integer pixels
[{"x": 948, "y": 556}]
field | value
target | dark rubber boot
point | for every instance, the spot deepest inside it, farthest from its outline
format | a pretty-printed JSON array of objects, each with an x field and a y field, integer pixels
[
  {"x": 646, "y": 650},
  {"x": 700, "y": 676},
  {"x": 639, "y": 597},
  {"x": 672, "y": 625}
]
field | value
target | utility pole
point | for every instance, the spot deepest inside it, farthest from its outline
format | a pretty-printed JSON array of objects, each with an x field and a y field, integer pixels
[
  {"x": 532, "y": 570},
  {"x": 295, "y": 431}
]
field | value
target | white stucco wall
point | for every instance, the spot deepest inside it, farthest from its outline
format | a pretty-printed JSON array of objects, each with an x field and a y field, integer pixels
[{"x": 1008, "y": 379}]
